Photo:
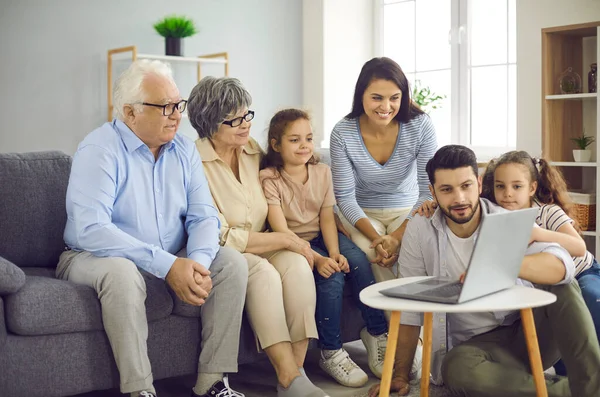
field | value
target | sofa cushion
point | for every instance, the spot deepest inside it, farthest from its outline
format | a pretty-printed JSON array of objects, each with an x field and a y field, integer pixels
[
  {"x": 11, "y": 277},
  {"x": 46, "y": 305},
  {"x": 32, "y": 207}
]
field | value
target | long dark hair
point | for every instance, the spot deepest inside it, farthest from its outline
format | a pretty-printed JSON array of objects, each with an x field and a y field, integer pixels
[
  {"x": 385, "y": 69},
  {"x": 551, "y": 185},
  {"x": 277, "y": 127}
]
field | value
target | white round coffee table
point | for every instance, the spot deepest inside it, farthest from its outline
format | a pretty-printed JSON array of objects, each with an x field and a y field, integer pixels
[{"x": 515, "y": 298}]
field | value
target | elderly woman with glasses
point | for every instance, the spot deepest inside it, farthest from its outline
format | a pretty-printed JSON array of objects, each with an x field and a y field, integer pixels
[{"x": 280, "y": 298}]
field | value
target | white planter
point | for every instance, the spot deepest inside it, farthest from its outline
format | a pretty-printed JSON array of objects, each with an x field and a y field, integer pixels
[{"x": 582, "y": 156}]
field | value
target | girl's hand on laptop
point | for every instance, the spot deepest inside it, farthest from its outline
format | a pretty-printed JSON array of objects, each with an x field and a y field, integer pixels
[
  {"x": 462, "y": 278},
  {"x": 426, "y": 209}
]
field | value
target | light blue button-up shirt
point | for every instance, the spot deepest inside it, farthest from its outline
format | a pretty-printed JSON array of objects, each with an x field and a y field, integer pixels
[
  {"x": 423, "y": 253},
  {"x": 121, "y": 202}
]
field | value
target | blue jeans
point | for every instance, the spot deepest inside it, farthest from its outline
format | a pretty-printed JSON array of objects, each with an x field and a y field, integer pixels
[
  {"x": 330, "y": 292},
  {"x": 589, "y": 282}
]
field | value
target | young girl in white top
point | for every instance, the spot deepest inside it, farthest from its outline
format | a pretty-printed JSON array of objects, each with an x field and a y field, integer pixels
[
  {"x": 299, "y": 192},
  {"x": 516, "y": 181}
]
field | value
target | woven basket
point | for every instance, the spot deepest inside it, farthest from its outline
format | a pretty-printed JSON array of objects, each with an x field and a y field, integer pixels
[{"x": 584, "y": 206}]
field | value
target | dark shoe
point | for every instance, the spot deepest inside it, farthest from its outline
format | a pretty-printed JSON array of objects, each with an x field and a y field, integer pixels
[{"x": 220, "y": 389}]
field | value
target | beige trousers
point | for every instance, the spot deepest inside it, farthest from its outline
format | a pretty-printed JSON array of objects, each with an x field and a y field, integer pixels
[
  {"x": 121, "y": 288},
  {"x": 385, "y": 221},
  {"x": 280, "y": 298}
]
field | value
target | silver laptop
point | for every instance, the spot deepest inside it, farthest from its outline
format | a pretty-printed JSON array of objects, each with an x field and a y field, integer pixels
[{"x": 494, "y": 264}]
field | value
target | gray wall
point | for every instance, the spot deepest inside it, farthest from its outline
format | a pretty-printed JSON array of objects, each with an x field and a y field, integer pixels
[{"x": 53, "y": 60}]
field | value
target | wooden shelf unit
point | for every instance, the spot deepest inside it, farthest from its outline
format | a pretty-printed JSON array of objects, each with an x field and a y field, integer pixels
[
  {"x": 130, "y": 52},
  {"x": 563, "y": 114}
]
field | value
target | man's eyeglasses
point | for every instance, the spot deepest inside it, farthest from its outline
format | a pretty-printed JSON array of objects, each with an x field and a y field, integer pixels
[
  {"x": 169, "y": 108},
  {"x": 238, "y": 120}
]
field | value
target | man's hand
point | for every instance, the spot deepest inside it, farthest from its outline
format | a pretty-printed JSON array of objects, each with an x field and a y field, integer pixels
[
  {"x": 203, "y": 279},
  {"x": 342, "y": 262},
  {"x": 399, "y": 384},
  {"x": 326, "y": 266},
  {"x": 302, "y": 247},
  {"x": 182, "y": 280}
]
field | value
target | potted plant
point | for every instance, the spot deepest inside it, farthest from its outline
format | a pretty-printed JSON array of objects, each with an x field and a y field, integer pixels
[
  {"x": 173, "y": 29},
  {"x": 582, "y": 154},
  {"x": 426, "y": 99}
]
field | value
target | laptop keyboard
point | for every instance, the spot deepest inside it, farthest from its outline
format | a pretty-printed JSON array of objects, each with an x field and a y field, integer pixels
[{"x": 445, "y": 291}]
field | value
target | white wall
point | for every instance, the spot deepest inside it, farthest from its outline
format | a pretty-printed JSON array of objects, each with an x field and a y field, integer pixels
[
  {"x": 532, "y": 16},
  {"x": 313, "y": 63},
  {"x": 333, "y": 58},
  {"x": 53, "y": 67}
]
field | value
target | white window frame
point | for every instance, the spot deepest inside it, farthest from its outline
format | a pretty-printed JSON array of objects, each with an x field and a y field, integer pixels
[{"x": 460, "y": 75}]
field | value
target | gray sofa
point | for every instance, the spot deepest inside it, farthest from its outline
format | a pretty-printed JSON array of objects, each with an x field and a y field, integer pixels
[{"x": 52, "y": 341}]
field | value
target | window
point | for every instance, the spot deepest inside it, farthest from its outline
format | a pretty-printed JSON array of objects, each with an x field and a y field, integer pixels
[{"x": 464, "y": 50}]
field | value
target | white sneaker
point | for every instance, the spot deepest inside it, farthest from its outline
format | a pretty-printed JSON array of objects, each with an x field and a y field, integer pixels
[
  {"x": 375, "y": 350},
  {"x": 417, "y": 366},
  {"x": 341, "y": 368}
]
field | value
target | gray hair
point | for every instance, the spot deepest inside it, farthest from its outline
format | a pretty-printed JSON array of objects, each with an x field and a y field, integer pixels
[
  {"x": 212, "y": 100},
  {"x": 128, "y": 86}
]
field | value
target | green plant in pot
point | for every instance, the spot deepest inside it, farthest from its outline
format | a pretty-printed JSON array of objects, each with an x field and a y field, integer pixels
[
  {"x": 174, "y": 28},
  {"x": 582, "y": 153},
  {"x": 425, "y": 98}
]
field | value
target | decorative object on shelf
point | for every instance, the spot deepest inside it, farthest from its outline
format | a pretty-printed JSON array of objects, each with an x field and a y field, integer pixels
[
  {"x": 173, "y": 29},
  {"x": 582, "y": 154},
  {"x": 131, "y": 52},
  {"x": 585, "y": 209},
  {"x": 570, "y": 82},
  {"x": 426, "y": 99},
  {"x": 593, "y": 78}
]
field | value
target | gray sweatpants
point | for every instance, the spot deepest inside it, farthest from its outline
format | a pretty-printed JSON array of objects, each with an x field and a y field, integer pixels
[{"x": 122, "y": 292}]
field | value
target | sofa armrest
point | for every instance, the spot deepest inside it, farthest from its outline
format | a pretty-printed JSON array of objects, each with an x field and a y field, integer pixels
[{"x": 12, "y": 277}]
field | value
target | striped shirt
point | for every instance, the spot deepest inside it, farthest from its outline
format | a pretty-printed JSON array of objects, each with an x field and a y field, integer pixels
[
  {"x": 552, "y": 217},
  {"x": 359, "y": 181}
]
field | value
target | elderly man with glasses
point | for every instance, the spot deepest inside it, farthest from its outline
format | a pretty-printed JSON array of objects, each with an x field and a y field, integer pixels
[{"x": 139, "y": 208}]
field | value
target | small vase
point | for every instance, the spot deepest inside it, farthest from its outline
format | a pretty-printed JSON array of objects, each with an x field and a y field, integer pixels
[
  {"x": 570, "y": 82},
  {"x": 582, "y": 156},
  {"x": 593, "y": 78},
  {"x": 173, "y": 46}
]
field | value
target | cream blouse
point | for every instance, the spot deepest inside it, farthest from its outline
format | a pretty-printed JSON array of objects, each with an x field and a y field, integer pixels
[{"x": 242, "y": 206}]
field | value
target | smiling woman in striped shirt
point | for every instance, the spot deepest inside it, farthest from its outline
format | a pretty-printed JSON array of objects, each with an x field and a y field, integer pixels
[{"x": 379, "y": 152}]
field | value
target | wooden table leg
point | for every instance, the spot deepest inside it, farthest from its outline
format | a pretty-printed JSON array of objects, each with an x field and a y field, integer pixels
[
  {"x": 533, "y": 349},
  {"x": 427, "y": 340},
  {"x": 390, "y": 355}
]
